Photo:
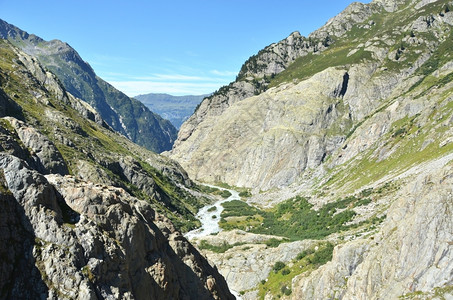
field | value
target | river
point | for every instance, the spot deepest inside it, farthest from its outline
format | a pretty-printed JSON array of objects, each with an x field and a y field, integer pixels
[{"x": 209, "y": 216}]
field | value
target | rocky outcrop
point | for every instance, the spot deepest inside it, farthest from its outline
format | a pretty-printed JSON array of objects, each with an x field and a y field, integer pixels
[
  {"x": 87, "y": 241},
  {"x": 410, "y": 256},
  {"x": 80, "y": 237},
  {"x": 251, "y": 260},
  {"x": 254, "y": 75},
  {"x": 272, "y": 148},
  {"x": 46, "y": 158},
  {"x": 62, "y": 134}
]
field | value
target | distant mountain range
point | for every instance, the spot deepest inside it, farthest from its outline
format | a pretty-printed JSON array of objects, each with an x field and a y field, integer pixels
[
  {"x": 125, "y": 115},
  {"x": 176, "y": 109}
]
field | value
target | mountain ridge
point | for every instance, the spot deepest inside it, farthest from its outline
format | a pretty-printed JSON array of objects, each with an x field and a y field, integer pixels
[
  {"x": 371, "y": 63},
  {"x": 125, "y": 115},
  {"x": 351, "y": 145},
  {"x": 176, "y": 109}
]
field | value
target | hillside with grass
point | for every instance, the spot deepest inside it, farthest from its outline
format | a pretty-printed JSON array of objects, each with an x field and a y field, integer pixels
[{"x": 125, "y": 115}]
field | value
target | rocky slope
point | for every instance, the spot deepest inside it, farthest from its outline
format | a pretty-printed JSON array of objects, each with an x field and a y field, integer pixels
[
  {"x": 125, "y": 115},
  {"x": 360, "y": 126},
  {"x": 71, "y": 225},
  {"x": 324, "y": 94},
  {"x": 88, "y": 147},
  {"x": 410, "y": 255},
  {"x": 176, "y": 109}
]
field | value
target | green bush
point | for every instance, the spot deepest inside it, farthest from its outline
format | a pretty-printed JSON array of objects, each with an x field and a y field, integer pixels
[
  {"x": 225, "y": 194},
  {"x": 305, "y": 253},
  {"x": 245, "y": 194},
  {"x": 218, "y": 249},
  {"x": 286, "y": 290},
  {"x": 286, "y": 271},
  {"x": 293, "y": 218},
  {"x": 273, "y": 242},
  {"x": 213, "y": 208},
  {"x": 323, "y": 255},
  {"x": 278, "y": 266}
]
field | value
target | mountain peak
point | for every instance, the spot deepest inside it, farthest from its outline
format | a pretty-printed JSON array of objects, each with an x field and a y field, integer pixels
[{"x": 125, "y": 115}]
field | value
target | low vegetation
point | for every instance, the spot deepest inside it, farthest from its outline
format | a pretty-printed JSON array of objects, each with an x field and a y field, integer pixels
[
  {"x": 93, "y": 144},
  {"x": 214, "y": 191},
  {"x": 279, "y": 280},
  {"x": 295, "y": 218},
  {"x": 222, "y": 248}
]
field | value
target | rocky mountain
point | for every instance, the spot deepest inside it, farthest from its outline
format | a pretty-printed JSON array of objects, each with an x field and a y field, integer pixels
[
  {"x": 79, "y": 202},
  {"x": 176, "y": 109},
  {"x": 125, "y": 115},
  {"x": 327, "y": 85},
  {"x": 344, "y": 138}
]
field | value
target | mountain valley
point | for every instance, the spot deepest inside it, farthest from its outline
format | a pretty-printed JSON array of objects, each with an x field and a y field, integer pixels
[{"x": 331, "y": 156}]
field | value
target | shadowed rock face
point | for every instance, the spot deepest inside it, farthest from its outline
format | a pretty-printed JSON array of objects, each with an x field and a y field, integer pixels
[{"x": 88, "y": 241}]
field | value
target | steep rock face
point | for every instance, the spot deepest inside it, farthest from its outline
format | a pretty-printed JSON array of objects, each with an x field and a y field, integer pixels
[
  {"x": 79, "y": 237},
  {"x": 254, "y": 75},
  {"x": 410, "y": 255},
  {"x": 270, "y": 148},
  {"x": 46, "y": 157},
  {"x": 93, "y": 241},
  {"x": 125, "y": 115},
  {"x": 381, "y": 54}
]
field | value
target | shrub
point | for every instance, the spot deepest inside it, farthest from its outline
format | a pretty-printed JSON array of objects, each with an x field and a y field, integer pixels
[
  {"x": 323, "y": 255},
  {"x": 213, "y": 208},
  {"x": 273, "y": 242},
  {"x": 286, "y": 290},
  {"x": 286, "y": 271},
  {"x": 278, "y": 266},
  {"x": 305, "y": 253}
]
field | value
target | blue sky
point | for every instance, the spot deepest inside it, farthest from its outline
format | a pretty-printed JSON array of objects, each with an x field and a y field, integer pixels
[{"x": 174, "y": 46}]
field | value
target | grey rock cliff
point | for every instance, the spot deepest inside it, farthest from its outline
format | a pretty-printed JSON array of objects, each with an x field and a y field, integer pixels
[
  {"x": 412, "y": 252},
  {"x": 272, "y": 139},
  {"x": 93, "y": 241}
]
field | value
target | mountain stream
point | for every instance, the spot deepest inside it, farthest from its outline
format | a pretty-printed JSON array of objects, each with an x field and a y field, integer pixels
[{"x": 209, "y": 216}]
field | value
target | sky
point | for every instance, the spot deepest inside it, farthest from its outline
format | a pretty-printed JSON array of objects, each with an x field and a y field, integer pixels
[{"x": 178, "y": 47}]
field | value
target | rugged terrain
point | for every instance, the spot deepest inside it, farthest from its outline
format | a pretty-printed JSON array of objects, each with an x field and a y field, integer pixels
[
  {"x": 176, "y": 109},
  {"x": 79, "y": 201},
  {"x": 345, "y": 139},
  {"x": 339, "y": 143},
  {"x": 125, "y": 115},
  {"x": 328, "y": 85}
]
